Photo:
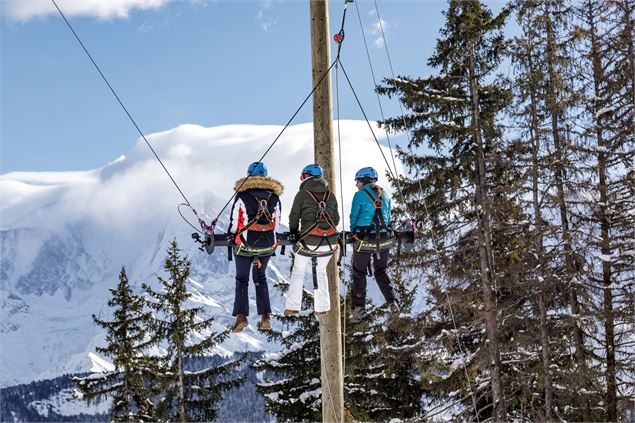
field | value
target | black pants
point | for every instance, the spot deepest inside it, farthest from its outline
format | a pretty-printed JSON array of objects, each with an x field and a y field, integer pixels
[
  {"x": 243, "y": 272},
  {"x": 360, "y": 266}
]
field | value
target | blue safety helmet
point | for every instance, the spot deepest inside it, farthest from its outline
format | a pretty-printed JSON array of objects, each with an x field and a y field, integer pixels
[
  {"x": 257, "y": 169},
  {"x": 312, "y": 169},
  {"x": 366, "y": 172}
]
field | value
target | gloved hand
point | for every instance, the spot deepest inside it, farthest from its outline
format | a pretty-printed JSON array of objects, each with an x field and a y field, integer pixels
[{"x": 294, "y": 237}]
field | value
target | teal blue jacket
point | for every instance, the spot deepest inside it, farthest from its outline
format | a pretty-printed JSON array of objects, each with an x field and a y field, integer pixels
[{"x": 363, "y": 209}]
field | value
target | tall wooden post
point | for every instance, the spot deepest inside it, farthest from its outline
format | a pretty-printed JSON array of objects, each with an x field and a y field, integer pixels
[{"x": 330, "y": 327}]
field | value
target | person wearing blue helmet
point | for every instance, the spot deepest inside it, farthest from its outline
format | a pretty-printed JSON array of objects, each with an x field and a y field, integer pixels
[
  {"x": 370, "y": 218},
  {"x": 254, "y": 220},
  {"x": 313, "y": 217}
]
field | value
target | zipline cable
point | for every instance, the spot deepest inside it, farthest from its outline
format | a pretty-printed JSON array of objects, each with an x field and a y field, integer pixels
[
  {"x": 343, "y": 219},
  {"x": 187, "y": 202},
  {"x": 381, "y": 109},
  {"x": 178, "y": 208},
  {"x": 425, "y": 204},
  {"x": 277, "y": 138},
  {"x": 361, "y": 108},
  {"x": 122, "y": 106},
  {"x": 339, "y": 38}
]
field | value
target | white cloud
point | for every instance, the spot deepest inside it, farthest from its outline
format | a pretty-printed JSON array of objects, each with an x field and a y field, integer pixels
[
  {"x": 128, "y": 194},
  {"x": 376, "y": 32},
  {"x": 24, "y": 10},
  {"x": 265, "y": 20}
]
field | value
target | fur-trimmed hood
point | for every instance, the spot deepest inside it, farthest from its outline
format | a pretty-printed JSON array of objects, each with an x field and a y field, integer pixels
[{"x": 258, "y": 182}]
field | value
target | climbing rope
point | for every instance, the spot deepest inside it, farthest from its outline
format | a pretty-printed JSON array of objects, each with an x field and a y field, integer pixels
[{"x": 112, "y": 90}]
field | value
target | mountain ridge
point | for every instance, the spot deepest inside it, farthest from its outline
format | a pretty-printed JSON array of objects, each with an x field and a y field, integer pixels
[{"x": 66, "y": 235}]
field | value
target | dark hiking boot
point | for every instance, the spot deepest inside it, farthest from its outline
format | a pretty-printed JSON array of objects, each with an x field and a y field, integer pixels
[
  {"x": 265, "y": 322},
  {"x": 240, "y": 323},
  {"x": 359, "y": 313}
]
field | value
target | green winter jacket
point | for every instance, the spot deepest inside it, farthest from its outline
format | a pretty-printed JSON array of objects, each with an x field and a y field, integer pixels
[{"x": 304, "y": 209}]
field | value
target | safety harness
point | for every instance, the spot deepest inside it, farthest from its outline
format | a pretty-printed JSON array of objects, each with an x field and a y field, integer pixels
[
  {"x": 362, "y": 242},
  {"x": 322, "y": 216},
  {"x": 243, "y": 249}
]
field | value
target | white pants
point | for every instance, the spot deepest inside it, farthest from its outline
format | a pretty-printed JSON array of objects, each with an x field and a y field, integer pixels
[{"x": 296, "y": 282}]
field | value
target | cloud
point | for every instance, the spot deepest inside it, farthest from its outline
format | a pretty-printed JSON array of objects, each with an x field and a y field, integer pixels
[
  {"x": 149, "y": 27},
  {"x": 24, "y": 10},
  {"x": 266, "y": 21},
  {"x": 133, "y": 192},
  {"x": 376, "y": 32}
]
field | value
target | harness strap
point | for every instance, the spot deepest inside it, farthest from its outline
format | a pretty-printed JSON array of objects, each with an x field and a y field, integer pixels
[
  {"x": 314, "y": 251},
  {"x": 257, "y": 227},
  {"x": 314, "y": 229},
  {"x": 379, "y": 205},
  {"x": 253, "y": 225},
  {"x": 255, "y": 266},
  {"x": 378, "y": 218},
  {"x": 314, "y": 263}
]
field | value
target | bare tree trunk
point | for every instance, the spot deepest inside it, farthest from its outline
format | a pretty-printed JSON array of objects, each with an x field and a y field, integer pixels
[
  {"x": 485, "y": 252},
  {"x": 564, "y": 215},
  {"x": 629, "y": 31},
  {"x": 126, "y": 389},
  {"x": 608, "y": 312},
  {"x": 179, "y": 366},
  {"x": 538, "y": 241}
]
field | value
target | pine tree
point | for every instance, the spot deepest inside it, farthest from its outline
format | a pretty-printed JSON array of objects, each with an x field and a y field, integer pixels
[
  {"x": 543, "y": 88},
  {"x": 127, "y": 342},
  {"x": 292, "y": 386},
  {"x": 605, "y": 149},
  {"x": 366, "y": 396},
  {"x": 559, "y": 100},
  {"x": 526, "y": 54},
  {"x": 467, "y": 184},
  {"x": 185, "y": 393},
  {"x": 381, "y": 372}
]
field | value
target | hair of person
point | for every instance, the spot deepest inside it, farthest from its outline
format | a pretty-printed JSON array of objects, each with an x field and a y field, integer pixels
[{"x": 373, "y": 184}]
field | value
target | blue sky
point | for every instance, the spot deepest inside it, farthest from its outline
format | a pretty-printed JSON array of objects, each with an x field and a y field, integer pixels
[{"x": 172, "y": 62}]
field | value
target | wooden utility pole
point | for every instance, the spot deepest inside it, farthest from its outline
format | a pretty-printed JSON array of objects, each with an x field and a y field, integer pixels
[{"x": 330, "y": 327}]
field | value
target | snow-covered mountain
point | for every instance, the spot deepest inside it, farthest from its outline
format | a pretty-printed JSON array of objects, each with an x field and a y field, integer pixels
[{"x": 65, "y": 235}]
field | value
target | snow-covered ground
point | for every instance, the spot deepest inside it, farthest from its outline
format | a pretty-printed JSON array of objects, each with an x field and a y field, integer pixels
[
  {"x": 65, "y": 403},
  {"x": 65, "y": 235}
]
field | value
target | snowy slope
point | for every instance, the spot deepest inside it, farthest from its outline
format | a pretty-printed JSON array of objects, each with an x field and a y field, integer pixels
[{"x": 65, "y": 235}]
